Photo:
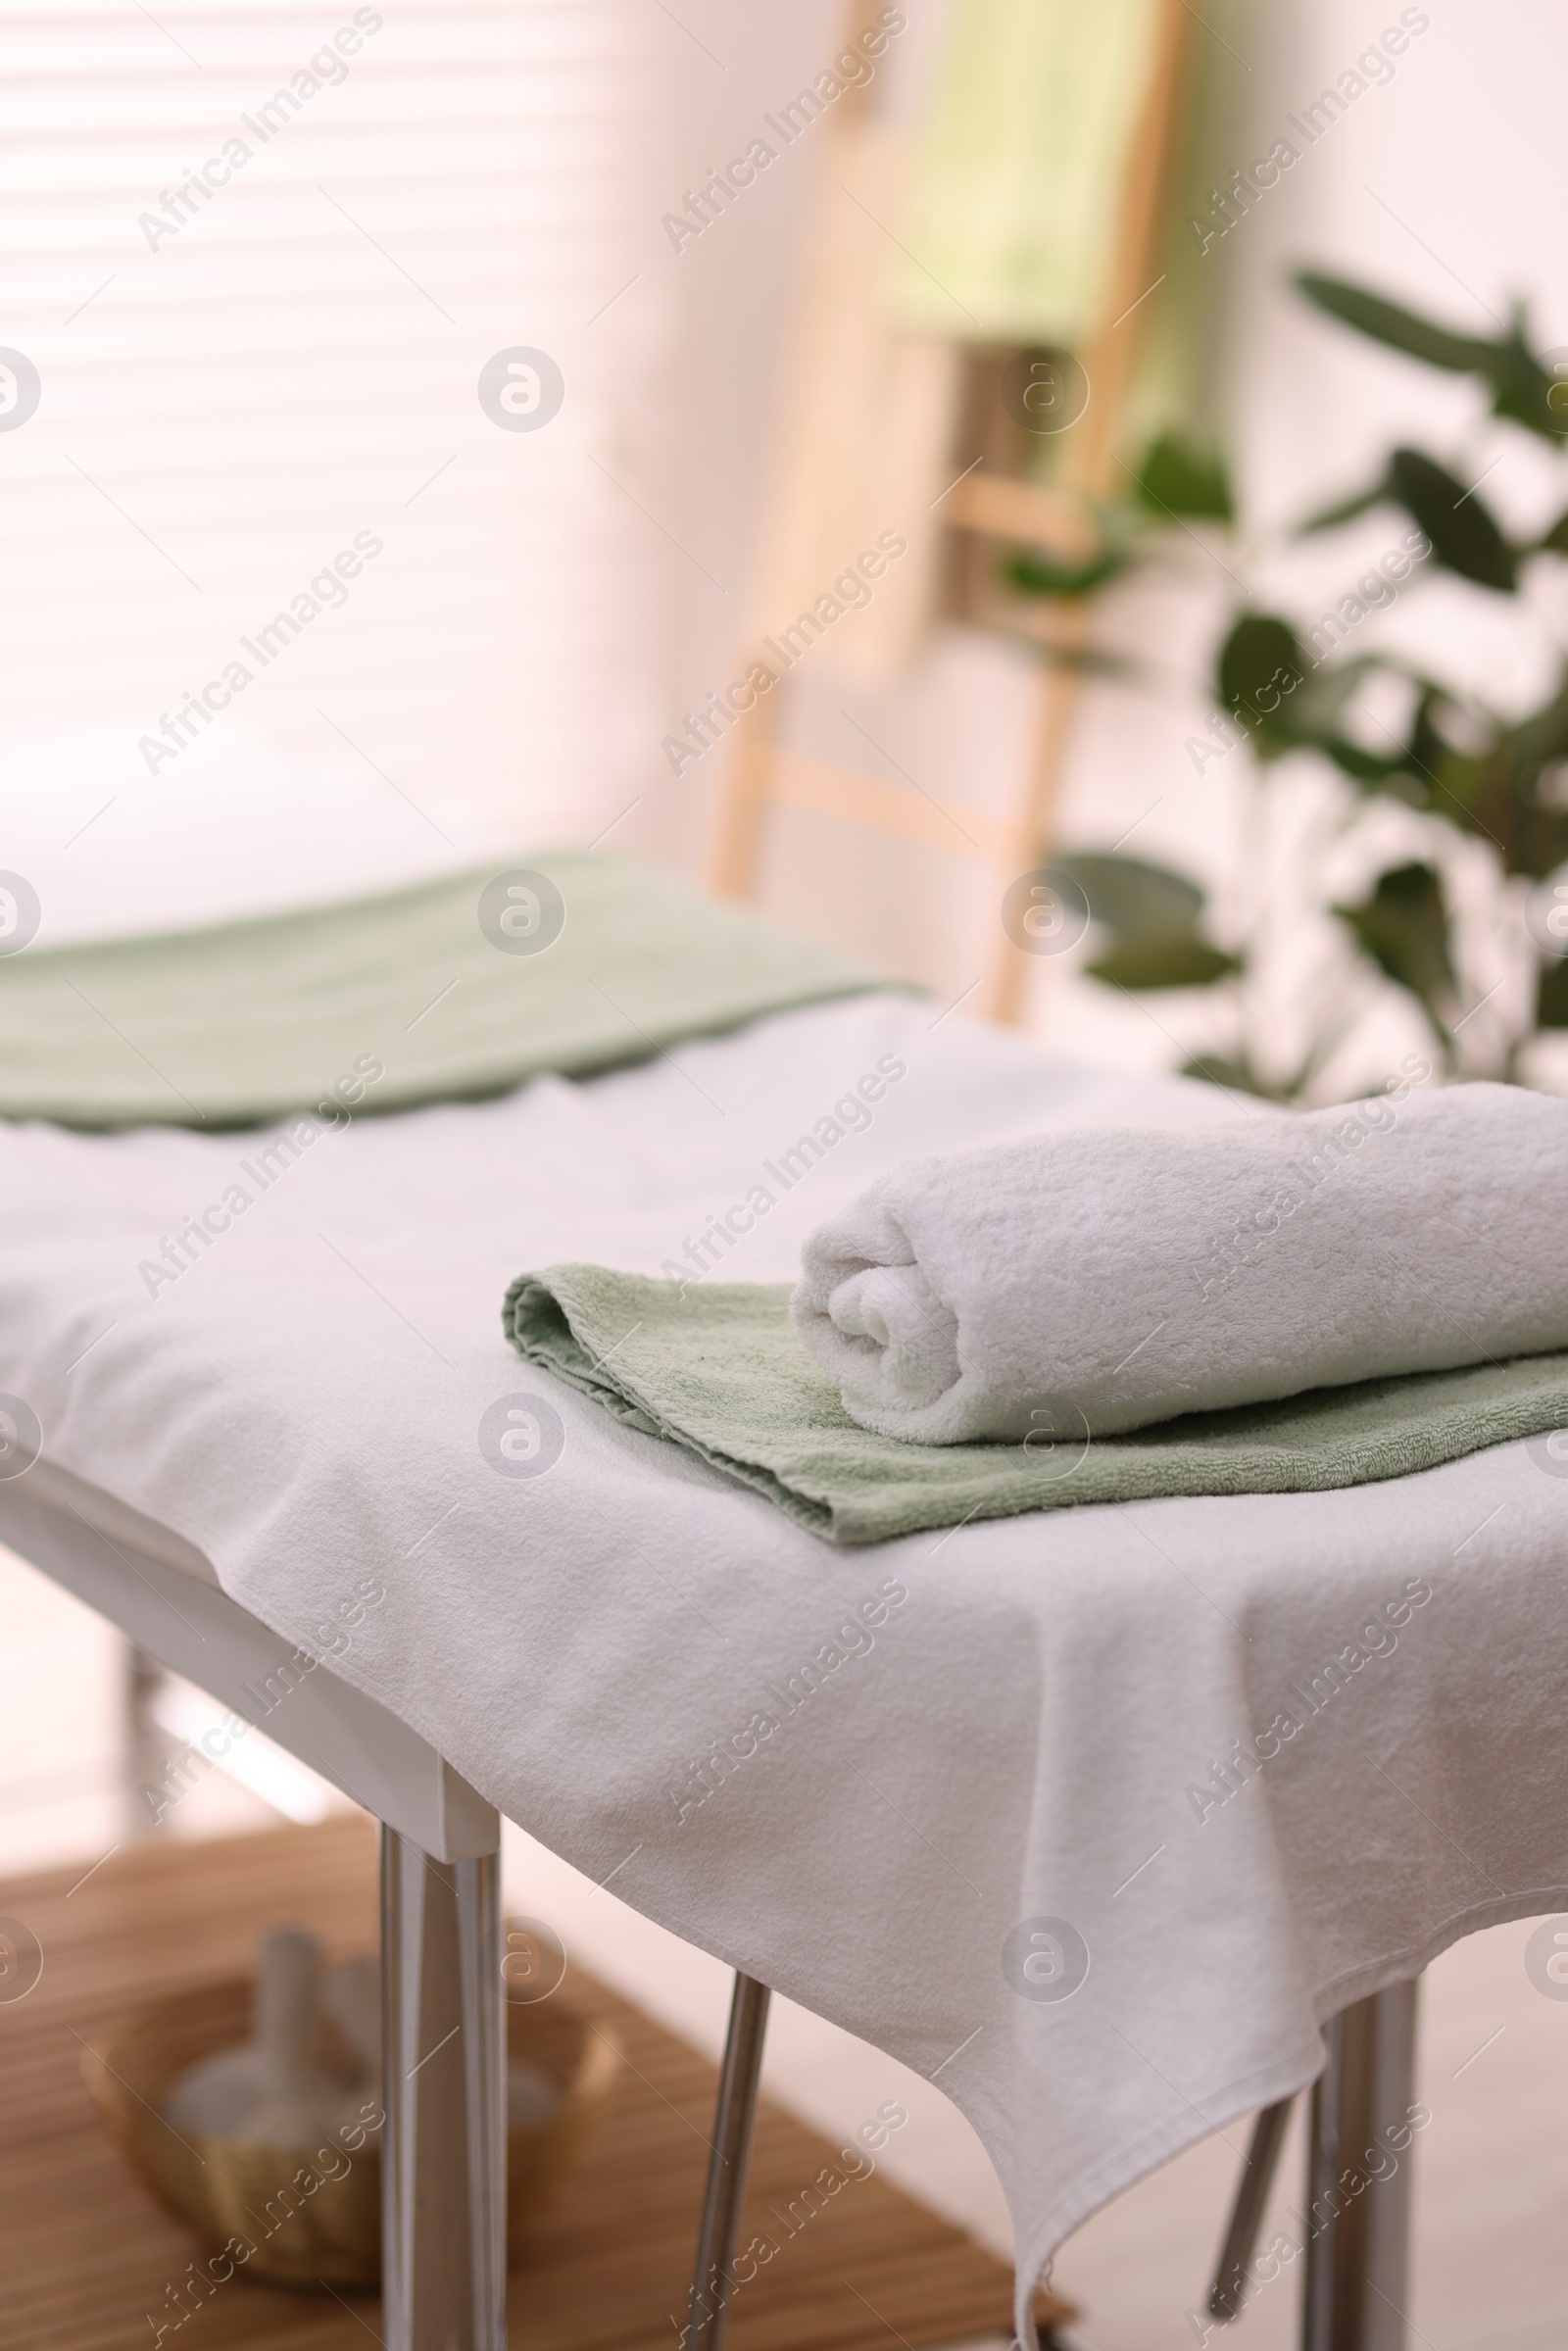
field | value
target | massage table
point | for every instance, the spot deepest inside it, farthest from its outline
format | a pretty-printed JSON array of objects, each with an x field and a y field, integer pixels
[{"x": 1024, "y": 1816}]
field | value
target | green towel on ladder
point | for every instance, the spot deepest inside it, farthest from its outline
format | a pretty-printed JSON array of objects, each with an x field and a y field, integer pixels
[{"x": 1017, "y": 194}]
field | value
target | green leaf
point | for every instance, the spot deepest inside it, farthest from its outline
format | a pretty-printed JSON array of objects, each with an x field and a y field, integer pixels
[
  {"x": 1400, "y": 329},
  {"x": 1260, "y": 666},
  {"x": 1363, "y": 766},
  {"x": 1522, "y": 388},
  {"x": 1555, "y": 540},
  {"x": 1551, "y": 996},
  {"x": 1153, "y": 914},
  {"x": 1448, "y": 778},
  {"x": 1346, "y": 509},
  {"x": 1524, "y": 391},
  {"x": 1403, "y": 927},
  {"x": 1319, "y": 706},
  {"x": 1541, "y": 736},
  {"x": 1215, "y": 1070},
  {"x": 1177, "y": 478},
  {"x": 1177, "y": 959},
  {"x": 1129, "y": 896},
  {"x": 1463, "y": 534},
  {"x": 1036, "y": 575}
]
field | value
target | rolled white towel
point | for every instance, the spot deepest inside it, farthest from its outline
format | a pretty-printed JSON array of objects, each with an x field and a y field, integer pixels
[{"x": 1094, "y": 1281}]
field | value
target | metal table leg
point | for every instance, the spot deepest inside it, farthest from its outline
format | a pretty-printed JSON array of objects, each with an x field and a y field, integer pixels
[
  {"x": 733, "y": 2121},
  {"x": 1358, "y": 2178},
  {"x": 1228, "y": 2291},
  {"x": 444, "y": 2149}
]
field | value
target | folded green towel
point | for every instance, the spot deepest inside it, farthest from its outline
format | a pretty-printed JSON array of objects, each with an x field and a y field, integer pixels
[
  {"x": 718, "y": 1369},
  {"x": 573, "y": 961}
]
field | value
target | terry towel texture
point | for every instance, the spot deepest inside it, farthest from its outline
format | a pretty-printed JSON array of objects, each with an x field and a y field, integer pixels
[
  {"x": 1096, "y": 1282},
  {"x": 720, "y": 1370},
  {"x": 573, "y": 961}
]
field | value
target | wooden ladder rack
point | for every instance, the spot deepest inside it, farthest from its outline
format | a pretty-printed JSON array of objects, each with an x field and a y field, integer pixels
[{"x": 985, "y": 510}]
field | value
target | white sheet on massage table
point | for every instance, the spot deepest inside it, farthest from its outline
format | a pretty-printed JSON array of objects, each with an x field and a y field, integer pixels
[{"x": 302, "y": 1407}]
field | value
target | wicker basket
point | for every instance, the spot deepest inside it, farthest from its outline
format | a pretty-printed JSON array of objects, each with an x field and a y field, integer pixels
[{"x": 304, "y": 2229}]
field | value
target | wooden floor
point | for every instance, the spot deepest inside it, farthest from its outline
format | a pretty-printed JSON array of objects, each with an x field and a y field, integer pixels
[{"x": 87, "y": 2261}]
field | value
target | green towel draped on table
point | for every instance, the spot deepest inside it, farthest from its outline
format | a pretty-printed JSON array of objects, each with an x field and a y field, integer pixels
[{"x": 453, "y": 988}]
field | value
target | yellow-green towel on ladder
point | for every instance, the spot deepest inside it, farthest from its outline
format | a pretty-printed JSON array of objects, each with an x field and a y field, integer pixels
[{"x": 1017, "y": 182}]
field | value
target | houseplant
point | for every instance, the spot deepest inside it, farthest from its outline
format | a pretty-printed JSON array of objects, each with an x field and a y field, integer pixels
[{"x": 1393, "y": 731}]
